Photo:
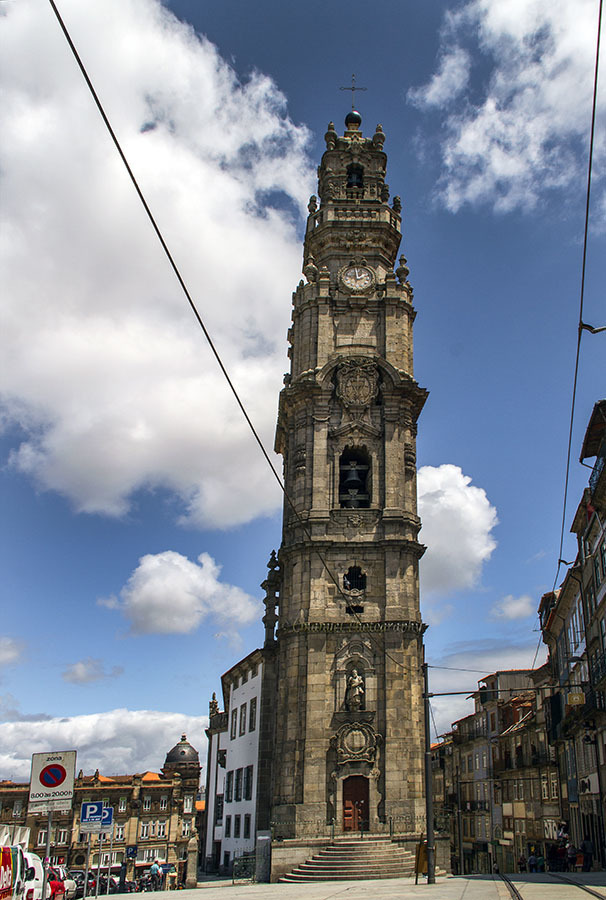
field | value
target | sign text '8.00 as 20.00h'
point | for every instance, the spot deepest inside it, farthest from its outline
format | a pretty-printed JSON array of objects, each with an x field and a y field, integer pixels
[{"x": 52, "y": 781}]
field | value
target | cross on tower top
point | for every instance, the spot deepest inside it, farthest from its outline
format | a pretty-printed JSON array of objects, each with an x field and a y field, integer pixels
[{"x": 353, "y": 89}]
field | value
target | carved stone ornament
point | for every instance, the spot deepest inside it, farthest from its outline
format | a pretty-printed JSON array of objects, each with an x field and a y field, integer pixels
[
  {"x": 356, "y": 742},
  {"x": 357, "y": 383}
]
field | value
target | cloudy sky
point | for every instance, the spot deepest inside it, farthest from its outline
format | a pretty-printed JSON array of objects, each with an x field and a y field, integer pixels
[{"x": 138, "y": 514}]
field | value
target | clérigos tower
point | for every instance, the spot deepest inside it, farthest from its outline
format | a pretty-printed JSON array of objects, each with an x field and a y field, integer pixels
[{"x": 343, "y": 717}]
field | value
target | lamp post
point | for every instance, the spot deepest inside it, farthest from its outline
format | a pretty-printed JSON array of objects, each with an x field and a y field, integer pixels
[{"x": 431, "y": 862}]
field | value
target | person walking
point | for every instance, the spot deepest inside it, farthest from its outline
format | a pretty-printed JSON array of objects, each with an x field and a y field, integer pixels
[
  {"x": 155, "y": 875},
  {"x": 571, "y": 857},
  {"x": 586, "y": 849}
]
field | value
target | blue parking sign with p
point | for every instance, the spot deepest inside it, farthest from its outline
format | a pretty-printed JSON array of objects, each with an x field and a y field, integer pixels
[{"x": 91, "y": 811}]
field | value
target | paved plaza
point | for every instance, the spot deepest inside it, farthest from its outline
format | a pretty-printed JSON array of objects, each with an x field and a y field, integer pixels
[{"x": 472, "y": 887}]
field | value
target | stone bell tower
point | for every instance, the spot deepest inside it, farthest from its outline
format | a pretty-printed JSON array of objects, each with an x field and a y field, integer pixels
[{"x": 346, "y": 729}]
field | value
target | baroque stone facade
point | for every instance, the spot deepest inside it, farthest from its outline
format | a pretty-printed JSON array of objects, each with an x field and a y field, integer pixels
[{"x": 341, "y": 727}]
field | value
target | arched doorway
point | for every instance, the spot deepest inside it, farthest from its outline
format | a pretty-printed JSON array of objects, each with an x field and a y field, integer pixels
[{"x": 355, "y": 803}]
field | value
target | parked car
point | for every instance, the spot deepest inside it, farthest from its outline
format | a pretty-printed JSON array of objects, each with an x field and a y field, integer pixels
[
  {"x": 68, "y": 882},
  {"x": 55, "y": 889}
]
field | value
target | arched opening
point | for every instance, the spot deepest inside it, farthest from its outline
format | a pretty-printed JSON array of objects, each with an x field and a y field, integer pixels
[
  {"x": 355, "y": 176},
  {"x": 354, "y": 479},
  {"x": 355, "y": 803}
]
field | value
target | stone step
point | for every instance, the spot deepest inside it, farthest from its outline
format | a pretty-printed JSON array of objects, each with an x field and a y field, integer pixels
[
  {"x": 310, "y": 879},
  {"x": 364, "y": 854}
]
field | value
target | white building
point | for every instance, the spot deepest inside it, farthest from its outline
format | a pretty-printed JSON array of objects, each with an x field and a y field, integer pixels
[{"x": 233, "y": 755}]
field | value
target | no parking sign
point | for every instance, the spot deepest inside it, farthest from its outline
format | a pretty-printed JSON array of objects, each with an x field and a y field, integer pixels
[{"x": 52, "y": 780}]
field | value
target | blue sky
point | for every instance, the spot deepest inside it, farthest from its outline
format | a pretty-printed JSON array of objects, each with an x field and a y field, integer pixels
[{"x": 138, "y": 515}]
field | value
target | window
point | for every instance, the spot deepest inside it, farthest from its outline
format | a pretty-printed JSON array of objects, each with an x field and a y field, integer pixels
[
  {"x": 162, "y": 829},
  {"x": 42, "y": 837},
  {"x": 146, "y": 804},
  {"x": 477, "y": 760},
  {"x": 219, "y": 809},
  {"x": 354, "y": 473},
  {"x": 544, "y": 788},
  {"x": 227, "y": 826},
  {"x": 245, "y": 677},
  {"x": 226, "y": 860},
  {"x": 554, "y": 786},
  {"x": 62, "y": 836},
  {"x": 484, "y": 759},
  {"x": 144, "y": 833},
  {"x": 603, "y": 557},
  {"x": 234, "y": 724},
  {"x": 237, "y": 826},
  {"x": 252, "y": 714},
  {"x": 238, "y": 787},
  {"x": 229, "y": 786},
  {"x": 253, "y": 672},
  {"x": 17, "y": 808},
  {"x": 163, "y": 802},
  {"x": 596, "y": 570},
  {"x": 120, "y": 832},
  {"x": 122, "y": 804},
  {"x": 185, "y": 828},
  {"x": 248, "y": 782},
  {"x": 246, "y": 826},
  {"x": 243, "y": 719},
  {"x": 188, "y": 803},
  {"x": 470, "y": 763}
]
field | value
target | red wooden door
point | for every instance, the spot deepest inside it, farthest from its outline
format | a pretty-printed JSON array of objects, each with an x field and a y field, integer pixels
[{"x": 355, "y": 803}]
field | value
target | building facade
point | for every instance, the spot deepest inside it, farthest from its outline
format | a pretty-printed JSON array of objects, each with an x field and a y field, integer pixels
[
  {"x": 573, "y": 622},
  {"x": 233, "y": 766},
  {"x": 345, "y": 741},
  {"x": 154, "y": 819}
]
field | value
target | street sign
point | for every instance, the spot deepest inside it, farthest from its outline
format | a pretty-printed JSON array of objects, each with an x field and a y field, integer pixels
[
  {"x": 131, "y": 851},
  {"x": 52, "y": 781},
  {"x": 575, "y": 698},
  {"x": 91, "y": 816},
  {"x": 107, "y": 821}
]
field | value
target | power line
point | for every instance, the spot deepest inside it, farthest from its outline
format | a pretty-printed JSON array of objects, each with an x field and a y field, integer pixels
[
  {"x": 581, "y": 326},
  {"x": 198, "y": 317}
]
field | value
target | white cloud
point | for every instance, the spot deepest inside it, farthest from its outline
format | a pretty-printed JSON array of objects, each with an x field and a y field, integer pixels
[
  {"x": 524, "y": 128},
  {"x": 118, "y": 742},
  {"x": 10, "y": 651},
  {"x": 457, "y": 522},
  {"x": 87, "y": 670},
  {"x": 511, "y": 607},
  {"x": 107, "y": 376},
  {"x": 447, "y": 83},
  {"x": 465, "y": 665},
  {"x": 169, "y": 594}
]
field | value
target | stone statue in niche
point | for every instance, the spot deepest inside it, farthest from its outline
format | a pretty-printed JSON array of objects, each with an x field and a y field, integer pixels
[{"x": 355, "y": 693}]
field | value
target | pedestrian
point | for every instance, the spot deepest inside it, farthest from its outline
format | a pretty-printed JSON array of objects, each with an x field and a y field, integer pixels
[
  {"x": 540, "y": 863},
  {"x": 532, "y": 863},
  {"x": 155, "y": 875},
  {"x": 522, "y": 863},
  {"x": 571, "y": 856},
  {"x": 587, "y": 851}
]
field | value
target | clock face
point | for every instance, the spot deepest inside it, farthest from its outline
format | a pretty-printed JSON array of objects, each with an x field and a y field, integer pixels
[{"x": 357, "y": 278}]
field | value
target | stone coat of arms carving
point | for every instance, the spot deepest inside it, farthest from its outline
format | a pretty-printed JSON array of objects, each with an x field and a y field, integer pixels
[{"x": 357, "y": 383}]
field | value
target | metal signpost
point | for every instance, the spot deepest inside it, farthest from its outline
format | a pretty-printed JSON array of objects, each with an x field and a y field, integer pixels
[
  {"x": 91, "y": 816},
  {"x": 51, "y": 789},
  {"x": 107, "y": 827}
]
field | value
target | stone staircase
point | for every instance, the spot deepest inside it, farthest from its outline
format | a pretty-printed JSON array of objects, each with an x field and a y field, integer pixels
[{"x": 350, "y": 860}]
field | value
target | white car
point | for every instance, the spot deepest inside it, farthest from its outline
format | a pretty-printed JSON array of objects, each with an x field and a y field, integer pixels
[{"x": 33, "y": 885}]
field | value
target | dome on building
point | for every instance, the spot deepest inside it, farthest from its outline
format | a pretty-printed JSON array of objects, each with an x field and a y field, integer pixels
[{"x": 183, "y": 752}]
